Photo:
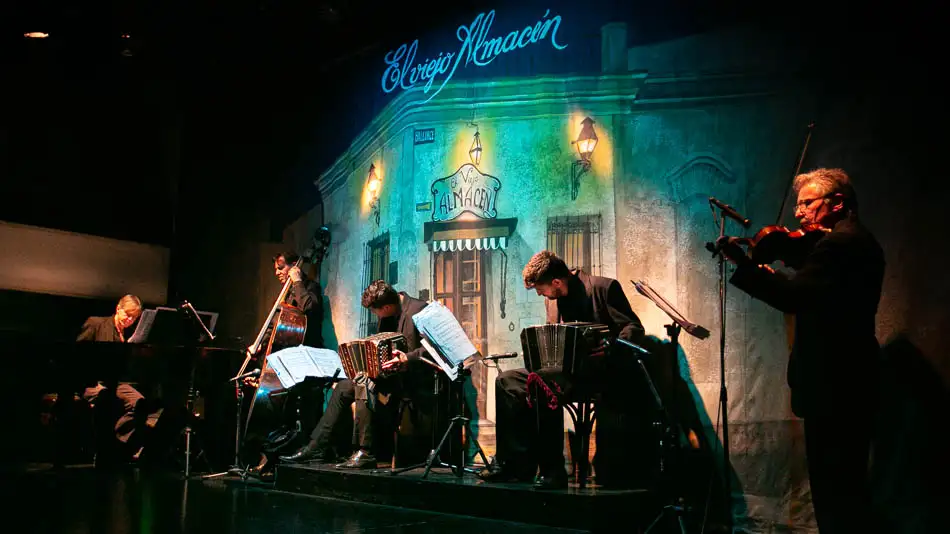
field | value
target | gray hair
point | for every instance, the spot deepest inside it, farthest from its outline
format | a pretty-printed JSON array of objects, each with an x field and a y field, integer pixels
[
  {"x": 130, "y": 302},
  {"x": 829, "y": 182}
]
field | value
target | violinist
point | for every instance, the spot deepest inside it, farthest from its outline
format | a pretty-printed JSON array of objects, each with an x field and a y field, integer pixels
[{"x": 832, "y": 369}]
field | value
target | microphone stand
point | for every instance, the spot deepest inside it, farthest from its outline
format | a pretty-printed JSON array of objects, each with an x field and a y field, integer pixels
[
  {"x": 670, "y": 415},
  {"x": 723, "y": 391}
]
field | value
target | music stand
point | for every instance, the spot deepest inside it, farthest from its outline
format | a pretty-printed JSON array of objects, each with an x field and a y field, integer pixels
[
  {"x": 462, "y": 371},
  {"x": 672, "y": 424},
  {"x": 205, "y": 335}
]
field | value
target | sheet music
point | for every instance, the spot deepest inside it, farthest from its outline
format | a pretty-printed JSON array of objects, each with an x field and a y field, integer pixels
[
  {"x": 445, "y": 334},
  {"x": 449, "y": 370},
  {"x": 293, "y": 365},
  {"x": 144, "y": 326}
]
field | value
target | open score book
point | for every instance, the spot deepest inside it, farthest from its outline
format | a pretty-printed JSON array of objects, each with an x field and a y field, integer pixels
[{"x": 444, "y": 339}]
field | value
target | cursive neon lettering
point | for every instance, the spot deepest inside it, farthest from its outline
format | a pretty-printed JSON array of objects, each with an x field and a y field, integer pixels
[
  {"x": 477, "y": 46},
  {"x": 524, "y": 33}
]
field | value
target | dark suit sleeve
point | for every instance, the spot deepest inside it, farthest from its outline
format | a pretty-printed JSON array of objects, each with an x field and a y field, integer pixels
[
  {"x": 415, "y": 338},
  {"x": 305, "y": 295},
  {"x": 824, "y": 270},
  {"x": 88, "y": 330},
  {"x": 631, "y": 329}
]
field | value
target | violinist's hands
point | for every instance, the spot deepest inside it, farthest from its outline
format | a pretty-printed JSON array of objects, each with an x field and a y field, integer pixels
[
  {"x": 399, "y": 362},
  {"x": 730, "y": 249},
  {"x": 295, "y": 274}
]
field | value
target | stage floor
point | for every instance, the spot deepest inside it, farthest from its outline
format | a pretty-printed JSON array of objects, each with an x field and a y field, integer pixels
[
  {"x": 591, "y": 508},
  {"x": 82, "y": 500}
]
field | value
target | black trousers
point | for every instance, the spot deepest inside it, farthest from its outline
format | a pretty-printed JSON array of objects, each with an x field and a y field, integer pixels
[
  {"x": 527, "y": 438},
  {"x": 369, "y": 412},
  {"x": 132, "y": 418},
  {"x": 838, "y": 447},
  {"x": 532, "y": 438}
]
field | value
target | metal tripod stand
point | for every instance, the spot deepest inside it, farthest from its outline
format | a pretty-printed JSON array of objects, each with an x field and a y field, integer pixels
[{"x": 459, "y": 421}]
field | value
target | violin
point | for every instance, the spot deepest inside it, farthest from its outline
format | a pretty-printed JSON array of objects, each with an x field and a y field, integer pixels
[{"x": 778, "y": 243}]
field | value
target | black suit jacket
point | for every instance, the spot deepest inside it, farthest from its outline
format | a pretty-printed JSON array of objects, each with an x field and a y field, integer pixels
[
  {"x": 419, "y": 375},
  {"x": 403, "y": 324},
  {"x": 308, "y": 296},
  {"x": 99, "y": 329},
  {"x": 834, "y": 297},
  {"x": 596, "y": 299}
]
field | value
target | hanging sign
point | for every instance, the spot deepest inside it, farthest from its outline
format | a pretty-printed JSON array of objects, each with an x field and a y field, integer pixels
[
  {"x": 467, "y": 189},
  {"x": 478, "y": 47}
]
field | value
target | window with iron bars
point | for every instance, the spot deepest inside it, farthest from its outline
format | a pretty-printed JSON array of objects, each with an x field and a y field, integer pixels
[
  {"x": 375, "y": 267},
  {"x": 576, "y": 240}
]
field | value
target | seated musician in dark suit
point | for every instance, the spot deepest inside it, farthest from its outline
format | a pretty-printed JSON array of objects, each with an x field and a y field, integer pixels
[
  {"x": 405, "y": 373},
  {"x": 528, "y": 439},
  {"x": 117, "y": 328}
]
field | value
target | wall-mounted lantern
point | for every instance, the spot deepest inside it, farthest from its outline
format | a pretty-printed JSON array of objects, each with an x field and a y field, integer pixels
[
  {"x": 374, "y": 184},
  {"x": 586, "y": 142}
]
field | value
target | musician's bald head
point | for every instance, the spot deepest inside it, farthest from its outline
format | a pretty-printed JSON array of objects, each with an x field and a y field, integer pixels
[
  {"x": 381, "y": 299},
  {"x": 547, "y": 275}
]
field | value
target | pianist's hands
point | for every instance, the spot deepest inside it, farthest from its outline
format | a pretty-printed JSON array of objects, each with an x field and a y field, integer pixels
[{"x": 399, "y": 362}]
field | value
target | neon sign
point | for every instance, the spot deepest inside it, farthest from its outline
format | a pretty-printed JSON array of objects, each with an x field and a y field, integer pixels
[{"x": 403, "y": 71}]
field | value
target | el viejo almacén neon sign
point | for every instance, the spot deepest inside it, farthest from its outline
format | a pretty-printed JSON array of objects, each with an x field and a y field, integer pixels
[{"x": 477, "y": 47}]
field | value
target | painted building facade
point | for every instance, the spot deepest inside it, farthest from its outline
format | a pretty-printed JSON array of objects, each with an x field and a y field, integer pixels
[{"x": 677, "y": 122}]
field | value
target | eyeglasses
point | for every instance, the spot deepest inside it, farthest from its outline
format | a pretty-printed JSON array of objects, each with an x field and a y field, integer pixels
[{"x": 807, "y": 201}]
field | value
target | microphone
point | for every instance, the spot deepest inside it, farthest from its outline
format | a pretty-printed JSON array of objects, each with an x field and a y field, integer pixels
[
  {"x": 502, "y": 356},
  {"x": 730, "y": 212},
  {"x": 255, "y": 372}
]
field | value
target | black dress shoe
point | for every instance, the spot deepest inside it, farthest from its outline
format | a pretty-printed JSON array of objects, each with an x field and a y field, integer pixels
[
  {"x": 359, "y": 460},
  {"x": 309, "y": 453},
  {"x": 555, "y": 480},
  {"x": 503, "y": 473}
]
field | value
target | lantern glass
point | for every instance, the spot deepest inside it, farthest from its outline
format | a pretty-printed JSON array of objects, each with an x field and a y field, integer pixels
[
  {"x": 374, "y": 182},
  {"x": 475, "y": 153},
  {"x": 587, "y": 139}
]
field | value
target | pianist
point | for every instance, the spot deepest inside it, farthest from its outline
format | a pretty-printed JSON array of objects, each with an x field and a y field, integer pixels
[
  {"x": 405, "y": 374},
  {"x": 529, "y": 440},
  {"x": 117, "y": 328}
]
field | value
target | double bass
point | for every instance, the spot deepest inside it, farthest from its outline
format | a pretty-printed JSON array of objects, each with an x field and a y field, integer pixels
[{"x": 267, "y": 418}]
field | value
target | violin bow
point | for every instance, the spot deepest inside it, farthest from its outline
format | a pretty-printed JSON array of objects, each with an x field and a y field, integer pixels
[{"x": 798, "y": 168}]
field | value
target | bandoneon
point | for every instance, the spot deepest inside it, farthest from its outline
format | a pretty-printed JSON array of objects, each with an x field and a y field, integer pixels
[
  {"x": 562, "y": 347},
  {"x": 367, "y": 355}
]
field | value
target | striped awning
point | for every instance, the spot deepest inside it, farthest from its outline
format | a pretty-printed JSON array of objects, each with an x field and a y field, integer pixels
[
  {"x": 479, "y": 243},
  {"x": 484, "y": 234}
]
